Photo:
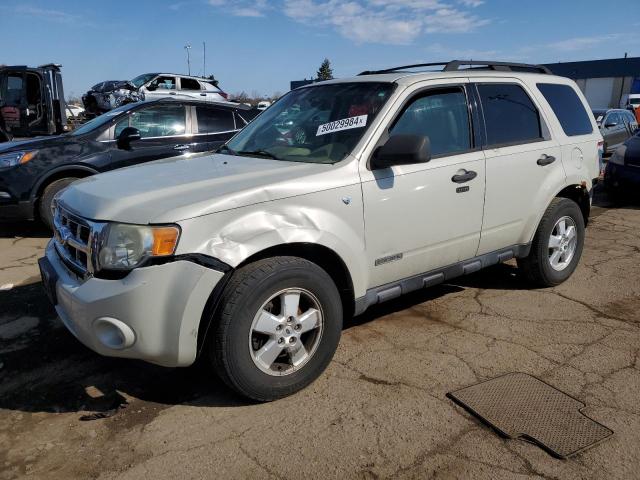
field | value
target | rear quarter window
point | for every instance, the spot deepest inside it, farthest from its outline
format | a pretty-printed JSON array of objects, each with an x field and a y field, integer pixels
[{"x": 568, "y": 108}]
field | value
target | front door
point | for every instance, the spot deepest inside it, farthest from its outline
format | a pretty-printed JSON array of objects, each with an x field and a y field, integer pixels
[
  {"x": 424, "y": 216},
  {"x": 164, "y": 132},
  {"x": 523, "y": 163}
]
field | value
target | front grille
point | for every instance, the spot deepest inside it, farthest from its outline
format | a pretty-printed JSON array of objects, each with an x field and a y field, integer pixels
[{"x": 72, "y": 240}]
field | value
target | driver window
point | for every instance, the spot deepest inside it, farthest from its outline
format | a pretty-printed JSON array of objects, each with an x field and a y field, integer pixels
[
  {"x": 159, "y": 121},
  {"x": 442, "y": 116}
]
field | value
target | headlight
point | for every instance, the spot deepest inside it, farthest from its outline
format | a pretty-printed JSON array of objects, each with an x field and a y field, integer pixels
[
  {"x": 12, "y": 159},
  {"x": 127, "y": 246}
]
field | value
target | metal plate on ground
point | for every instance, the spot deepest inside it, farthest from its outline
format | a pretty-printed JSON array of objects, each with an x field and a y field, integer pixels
[{"x": 520, "y": 405}]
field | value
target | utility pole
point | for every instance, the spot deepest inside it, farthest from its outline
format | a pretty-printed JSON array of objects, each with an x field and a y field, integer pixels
[
  {"x": 204, "y": 59},
  {"x": 187, "y": 48}
]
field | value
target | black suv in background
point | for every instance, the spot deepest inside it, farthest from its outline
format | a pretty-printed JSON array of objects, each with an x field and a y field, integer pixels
[{"x": 32, "y": 172}]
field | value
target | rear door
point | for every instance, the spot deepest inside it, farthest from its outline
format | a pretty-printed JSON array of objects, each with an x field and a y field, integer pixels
[
  {"x": 614, "y": 130},
  {"x": 164, "y": 132},
  {"x": 191, "y": 88},
  {"x": 213, "y": 126},
  {"x": 523, "y": 162}
]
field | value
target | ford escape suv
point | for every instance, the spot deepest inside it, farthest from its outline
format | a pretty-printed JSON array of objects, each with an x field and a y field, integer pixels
[{"x": 341, "y": 195}]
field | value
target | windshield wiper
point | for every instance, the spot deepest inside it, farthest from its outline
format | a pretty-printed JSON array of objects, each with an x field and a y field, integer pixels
[
  {"x": 225, "y": 148},
  {"x": 259, "y": 153}
]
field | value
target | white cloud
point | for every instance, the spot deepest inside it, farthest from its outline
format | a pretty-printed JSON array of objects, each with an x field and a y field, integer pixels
[
  {"x": 383, "y": 21},
  {"x": 471, "y": 3},
  {"x": 47, "y": 14}
]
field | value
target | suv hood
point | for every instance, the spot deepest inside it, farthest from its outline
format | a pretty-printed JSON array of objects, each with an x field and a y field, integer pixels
[{"x": 175, "y": 189}]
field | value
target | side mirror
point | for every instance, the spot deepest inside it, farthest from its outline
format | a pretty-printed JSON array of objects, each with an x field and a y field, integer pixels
[
  {"x": 402, "y": 150},
  {"x": 128, "y": 135},
  {"x": 610, "y": 124}
]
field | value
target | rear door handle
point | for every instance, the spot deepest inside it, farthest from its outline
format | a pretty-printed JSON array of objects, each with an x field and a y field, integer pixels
[
  {"x": 467, "y": 176},
  {"x": 203, "y": 94},
  {"x": 546, "y": 160},
  {"x": 181, "y": 147},
  {"x": 172, "y": 93}
]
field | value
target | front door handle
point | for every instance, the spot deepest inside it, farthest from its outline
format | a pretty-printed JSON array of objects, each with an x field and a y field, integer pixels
[
  {"x": 546, "y": 160},
  {"x": 467, "y": 176},
  {"x": 181, "y": 147},
  {"x": 203, "y": 94},
  {"x": 172, "y": 93}
]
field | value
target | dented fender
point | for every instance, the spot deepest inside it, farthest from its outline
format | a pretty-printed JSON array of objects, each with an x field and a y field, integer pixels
[{"x": 331, "y": 218}]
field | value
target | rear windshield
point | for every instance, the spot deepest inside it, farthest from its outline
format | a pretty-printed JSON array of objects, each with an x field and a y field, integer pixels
[{"x": 567, "y": 106}]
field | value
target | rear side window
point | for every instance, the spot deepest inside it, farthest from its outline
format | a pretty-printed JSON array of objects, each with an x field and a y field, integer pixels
[
  {"x": 214, "y": 120},
  {"x": 509, "y": 114},
  {"x": 567, "y": 106},
  {"x": 443, "y": 116},
  {"x": 189, "y": 84}
]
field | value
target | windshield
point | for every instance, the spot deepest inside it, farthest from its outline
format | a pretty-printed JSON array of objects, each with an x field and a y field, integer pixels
[
  {"x": 319, "y": 124},
  {"x": 103, "y": 119},
  {"x": 142, "y": 79}
]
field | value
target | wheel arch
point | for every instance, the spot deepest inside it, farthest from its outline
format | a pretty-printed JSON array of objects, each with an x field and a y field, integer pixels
[
  {"x": 323, "y": 256},
  {"x": 80, "y": 171},
  {"x": 580, "y": 195}
]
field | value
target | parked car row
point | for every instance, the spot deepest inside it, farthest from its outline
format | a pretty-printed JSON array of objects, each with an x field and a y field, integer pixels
[{"x": 32, "y": 172}]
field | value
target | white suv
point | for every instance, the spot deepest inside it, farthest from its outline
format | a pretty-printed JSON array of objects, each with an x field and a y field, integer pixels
[
  {"x": 171, "y": 85},
  {"x": 341, "y": 195}
]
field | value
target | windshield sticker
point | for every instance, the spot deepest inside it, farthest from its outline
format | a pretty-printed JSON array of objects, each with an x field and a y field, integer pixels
[{"x": 344, "y": 124}]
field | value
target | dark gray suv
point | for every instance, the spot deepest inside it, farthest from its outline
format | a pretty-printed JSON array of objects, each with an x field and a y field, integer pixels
[{"x": 616, "y": 125}]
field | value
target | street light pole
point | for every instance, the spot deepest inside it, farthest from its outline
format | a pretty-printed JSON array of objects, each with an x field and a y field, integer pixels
[{"x": 187, "y": 48}]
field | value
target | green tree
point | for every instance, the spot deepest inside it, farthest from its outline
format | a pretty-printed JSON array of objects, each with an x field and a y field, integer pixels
[{"x": 325, "y": 72}]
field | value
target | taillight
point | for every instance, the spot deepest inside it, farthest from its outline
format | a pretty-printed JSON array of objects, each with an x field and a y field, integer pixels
[
  {"x": 224, "y": 95},
  {"x": 601, "y": 157}
]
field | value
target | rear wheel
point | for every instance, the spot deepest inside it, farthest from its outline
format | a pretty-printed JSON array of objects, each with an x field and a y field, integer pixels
[
  {"x": 46, "y": 200},
  {"x": 557, "y": 245},
  {"x": 277, "y": 328}
]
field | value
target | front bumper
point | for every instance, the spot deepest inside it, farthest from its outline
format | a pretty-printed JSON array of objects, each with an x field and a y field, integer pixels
[
  {"x": 152, "y": 314},
  {"x": 621, "y": 176}
]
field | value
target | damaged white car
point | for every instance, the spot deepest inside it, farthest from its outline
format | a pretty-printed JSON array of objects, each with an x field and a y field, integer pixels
[{"x": 341, "y": 195}]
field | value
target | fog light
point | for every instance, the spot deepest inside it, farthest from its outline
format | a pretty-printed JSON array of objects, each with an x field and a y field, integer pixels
[{"x": 113, "y": 333}]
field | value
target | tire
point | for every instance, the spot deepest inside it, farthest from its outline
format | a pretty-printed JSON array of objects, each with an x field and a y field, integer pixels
[
  {"x": 538, "y": 267},
  {"x": 46, "y": 199},
  {"x": 235, "y": 342}
]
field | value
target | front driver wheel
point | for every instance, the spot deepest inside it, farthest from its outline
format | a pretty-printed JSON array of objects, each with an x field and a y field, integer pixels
[{"x": 277, "y": 328}]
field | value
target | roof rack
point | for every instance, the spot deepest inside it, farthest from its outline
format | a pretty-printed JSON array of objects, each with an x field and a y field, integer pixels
[{"x": 455, "y": 65}]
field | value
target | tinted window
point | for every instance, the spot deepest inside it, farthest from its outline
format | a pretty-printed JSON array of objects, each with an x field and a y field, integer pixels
[
  {"x": 189, "y": 84},
  {"x": 567, "y": 106},
  {"x": 509, "y": 114},
  {"x": 159, "y": 121},
  {"x": 212, "y": 120},
  {"x": 443, "y": 117}
]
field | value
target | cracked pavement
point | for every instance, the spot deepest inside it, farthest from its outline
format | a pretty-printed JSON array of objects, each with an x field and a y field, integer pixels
[{"x": 379, "y": 411}]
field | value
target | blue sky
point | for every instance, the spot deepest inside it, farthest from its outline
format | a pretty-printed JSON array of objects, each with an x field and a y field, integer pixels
[{"x": 260, "y": 45}]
